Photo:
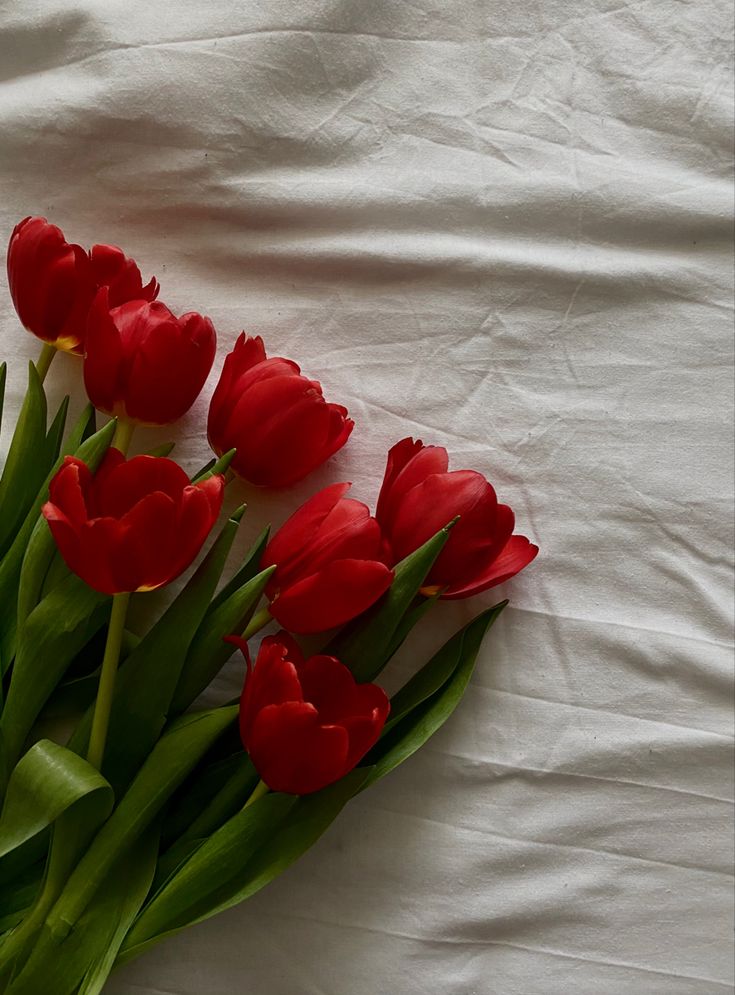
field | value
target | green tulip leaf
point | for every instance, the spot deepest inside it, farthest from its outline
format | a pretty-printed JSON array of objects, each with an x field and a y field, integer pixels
[
  {"x": 50, "y": 637},
  {"x": 421, "y": 606},
  {"x": 202, "y": 818},
  {"x": 56, "y": 431},
  {"x": 220, "y": 465},
  {"x": 209, "y": 652},
  {"x": 163, "y": 450},
  {"x": 425, "y": 703},
  {"x": 147, "y": 679},
  {"x": 199, "y": 791},
  {"x": 48, "y": 782},
  {"x": 249, "y": 568},
  {"x": 366, "y": 645},
  {"x": 204, "y": 469},
  {"x": 3, "y": 378},
  {"x": 84, "y": 428},
  {"x": 25, "y": 465}
]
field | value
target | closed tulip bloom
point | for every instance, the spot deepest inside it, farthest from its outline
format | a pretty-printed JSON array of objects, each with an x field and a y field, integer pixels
[
  {"x": 53, "y": 282},
  {"x": 305, "y": 723},
  {"x": 419, "y": 496},
  {"x": 133, "y": 526},
  {"x": 142, "y": 363},
  {"x": 330, "y": 561},
  {"x": 276, "y": 418}
]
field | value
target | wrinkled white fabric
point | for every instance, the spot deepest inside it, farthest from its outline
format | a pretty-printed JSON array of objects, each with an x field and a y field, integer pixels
[{"x": 504, "y": 228}]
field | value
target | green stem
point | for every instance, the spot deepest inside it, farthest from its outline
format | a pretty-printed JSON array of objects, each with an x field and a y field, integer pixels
[
  {"x": 259, "y": 621},
  {"x": 123, "y": 435},
  {"x": 103, "y": 705},
  {"x": 45, "y": 359},
  {"x": 260, "y": 789}
]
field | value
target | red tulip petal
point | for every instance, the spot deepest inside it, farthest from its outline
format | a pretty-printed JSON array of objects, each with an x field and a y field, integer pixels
[
  {"x": 329, "y": 686},
  {"x": 475, "y": 542},
  {"x": 402, "y": 473},
  {"x": 103, "y": 355},
  {"x": 347, "y": 533},
  {"x": 246, "y": 353},
  {"x": 364, "y": 730},
  {"x": 293, "y": 752},
  {"x": 50, "y": 282},
  {"x": 337, "y": 593},
  {"x": 340, "y": 429},
  {"x": 214, "y": 490},
  {"x": 291, "y": 446},
  {"x": 113, "y": 269},
  {"x": 169, "y": 367},
  {"x": 268, "y": 369},
  {"x": 67, "y": 489},
  {"x": 398, "y": 457},
  {"x": 99, "y": 542},
  {"x": 118, "y": 488},
  {"x": 66, "y": 537},
  {"x": 297, "y": 530},
  {"x": 272, "y": 681},
  {"x": 430, "y": 505},
  {"x": 195, "y": 519},
  {"x": 516, "y": 555},
  {"x": 149, "y": 544},
  {"x": 294, "y": 652}
]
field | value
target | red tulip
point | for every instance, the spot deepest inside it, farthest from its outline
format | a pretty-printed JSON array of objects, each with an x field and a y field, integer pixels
[
  {"x": 419, "y": 496},
  {"x": 53, "y": 282},
  {"x": 276, "y": 418},
  {"x": 305, "y": 723},
  {"x": 144, "y": 364},
  {"x": 330, "y": 563},
  {"x": 133, "y": 526}
]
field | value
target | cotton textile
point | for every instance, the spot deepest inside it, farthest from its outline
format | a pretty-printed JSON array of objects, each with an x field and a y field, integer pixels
[{"x": 503, "y": 228}]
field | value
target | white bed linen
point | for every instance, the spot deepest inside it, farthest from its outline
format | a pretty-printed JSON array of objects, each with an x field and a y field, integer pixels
[{"x": 504, "y": 228}]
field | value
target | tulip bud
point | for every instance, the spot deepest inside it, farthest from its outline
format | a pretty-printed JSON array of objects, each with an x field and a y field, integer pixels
[
  {"x": 330, "y": 561},
  {"x": 276, "y": 419},
  {"x": 133, "y": 526},
  {"x": 142, "y": 363},
  {"x": 305, "y": 723},
  {"x": 419, "y": 496},
  {"x": 53, "y": 282}
]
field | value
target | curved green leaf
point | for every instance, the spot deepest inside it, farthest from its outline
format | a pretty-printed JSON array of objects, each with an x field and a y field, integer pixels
[{"x": 49, "y": 781}]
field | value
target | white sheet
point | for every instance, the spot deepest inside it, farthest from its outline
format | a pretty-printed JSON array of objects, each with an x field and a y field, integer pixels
[{"x": 503, "y": 227}]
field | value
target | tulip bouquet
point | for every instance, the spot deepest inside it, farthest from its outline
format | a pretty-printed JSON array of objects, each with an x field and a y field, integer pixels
[{"x": 153, "y": 812}]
